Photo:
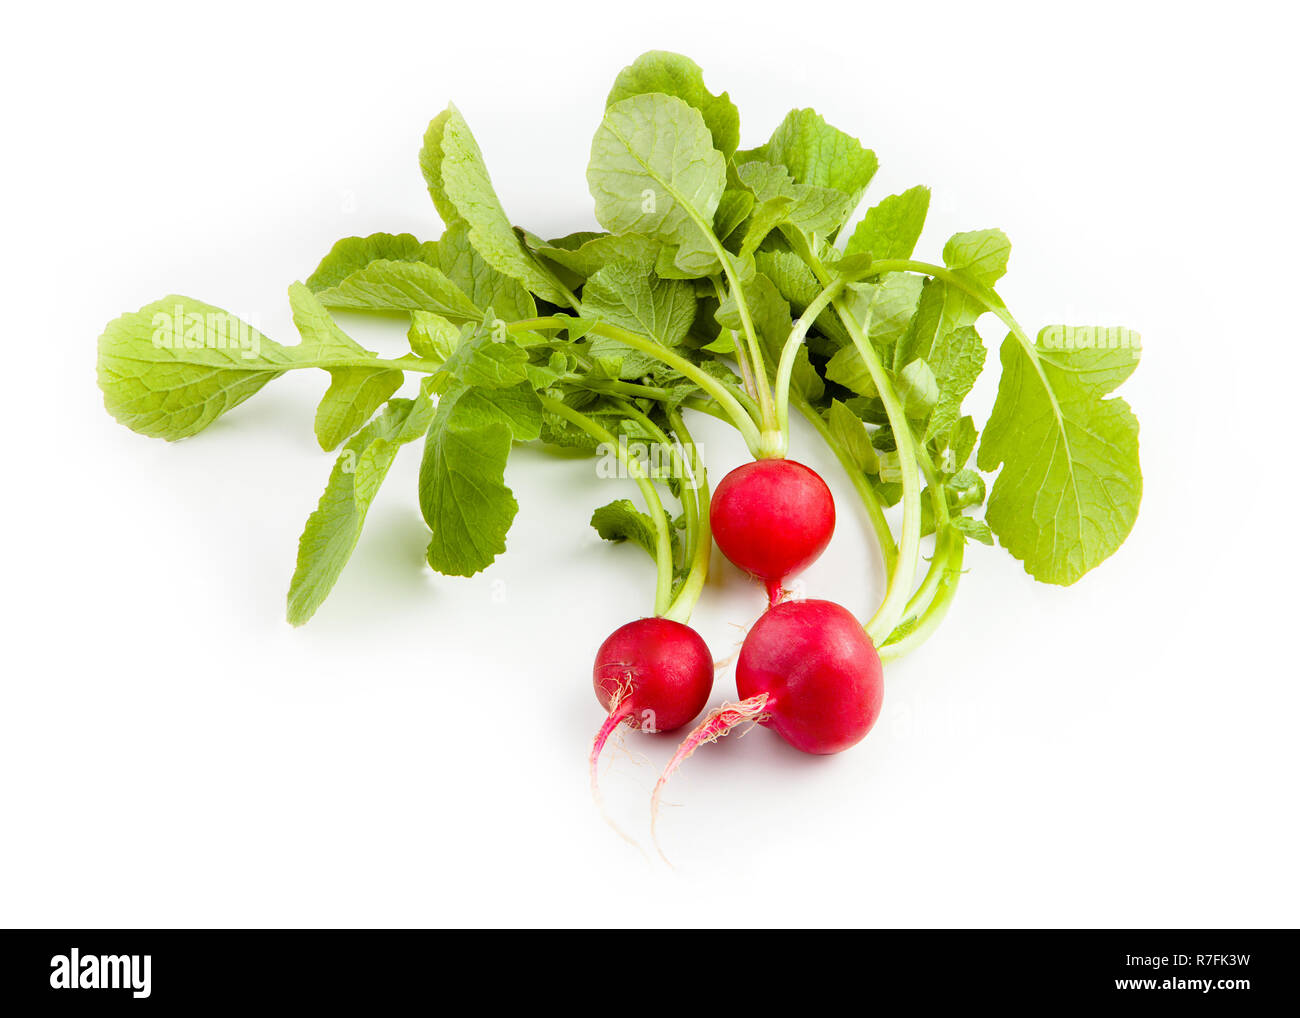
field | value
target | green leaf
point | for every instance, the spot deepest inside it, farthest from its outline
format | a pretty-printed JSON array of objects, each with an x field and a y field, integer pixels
[
  {"x": 626, "y": 294},
  {"x": 654, "y": 171},
  {"x": 918, "y": 389},
  {"x": 734, "y": 208},
  {"x": 847, "y": 368},
  {"x": 481, "y": 359},
  {"x": 353, "y": 253},
  {"x": 176, "y": 365},
  {"x": 815, "y": 210},
  {"x": 431, "y": 166},
  {"x": 447, "y": 278},
  {"x": 401, "y": 286},
  {"x": 851, "y": 435},
  {"x": 459, "y": 183},
  {"x": 593, "y": 252},
  {"x": 818, "y": 155},
  {"x": 888, "y": 305},
  {"x": 891, "y": 229},
  {"x": 561, "y": 432},
  {"x": 693, "y": 260},
  {"x": 676, "y": 75},
  {"x": 333, "y": 529},
  {"x": 797, "y": 284},
  {"x": 321, "y": 336},
  {"x": 965, "y": 488},
  {"x": 972, "y": 528},
  {"x": 956, "y": 364},
  {"x": 355, "y": 393},
  {"x": 941, "y": 310},
  {"x": 463, "y": 494},
  {"x": 765, "y": 218},
  {"x": 1071, "y": 483},
  {"x": 982, "y": 255},
  {"x": 629, "y": 295},
  {"x": 480, "y": 282},
  {"x": 353, "y": 396},
  {"x": 431, "y": 336},
  {"x": 961, "y": 441},
  {"x": 622, "y": 521}
]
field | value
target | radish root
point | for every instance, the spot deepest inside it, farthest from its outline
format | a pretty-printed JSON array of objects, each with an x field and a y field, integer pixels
[
  {"x": 616, "y": 718},
  {"x": 611, "y": 724},
  {"x": 717, "y": 723}
]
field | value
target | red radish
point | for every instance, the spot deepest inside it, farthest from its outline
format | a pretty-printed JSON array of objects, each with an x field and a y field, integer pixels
[
  {"x": 653, "y": 674},
  {"x": 807, "y": 670},
  {"x": 817, "y": 672},
  {"x": 772, "y": 518}
]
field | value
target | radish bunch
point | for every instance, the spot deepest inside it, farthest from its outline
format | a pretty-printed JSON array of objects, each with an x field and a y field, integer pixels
[{"x": 727, "y": 281}]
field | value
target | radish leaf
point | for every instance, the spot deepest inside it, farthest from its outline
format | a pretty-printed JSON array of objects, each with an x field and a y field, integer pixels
[
  {"x": 891, "y": 228},
  {"x": 333, "y": 529},
  {"x": 463, "y": 191},
  {"x": 463, "y": 494},
  {"x": 654, "y": 171},
  {"x": 1070, "y": 484},
  {"x": 679, "y": 76}
]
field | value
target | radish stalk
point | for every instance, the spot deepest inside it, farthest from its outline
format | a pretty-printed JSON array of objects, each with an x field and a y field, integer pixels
[
  {"x": 736, "y": 413},
  {"x": 655, "y": 507},
  {"x": 875, "y": 513},
  {"x": 698, "y": 482}
]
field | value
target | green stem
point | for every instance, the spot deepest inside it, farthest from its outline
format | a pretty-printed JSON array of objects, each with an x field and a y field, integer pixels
[
  {"x": 742, "y": 421},
  {"x": 738, "y": 349},
  {"x": 400, "y": 364},
  {"x": 934, "y": 613},
  {"x": 939, "y": 503},
  {"x": 764, "y": 393},
  {"x": 613, "y": 387},
  {"x": 909, "y": 546},
  {"x": 875, "y": 512},
  {"x": 785, "y": 368},
  {"x": 663, "y": 538},
  {"x": 698, "y": 484},
  {"x": 909, "y": 549},
  {"x": 679, "y": 466}
]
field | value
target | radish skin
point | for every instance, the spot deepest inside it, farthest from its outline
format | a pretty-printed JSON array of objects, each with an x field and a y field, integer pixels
[
  {"x": 819, "y": 671},
  {"x": 653, "y": 674},
  {"x": 772, "y": 518}
]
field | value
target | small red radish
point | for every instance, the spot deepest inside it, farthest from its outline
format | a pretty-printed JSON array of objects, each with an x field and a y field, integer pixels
[
  {"x": 818, "y": 674},
  {"x": 653, "y": 674},
  {"x": 772, "y": 518},
  {"x": 808, "y": 671}
]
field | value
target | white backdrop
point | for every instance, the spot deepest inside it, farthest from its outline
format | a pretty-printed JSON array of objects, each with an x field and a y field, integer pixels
[{"x": 1120, "y": 752}]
